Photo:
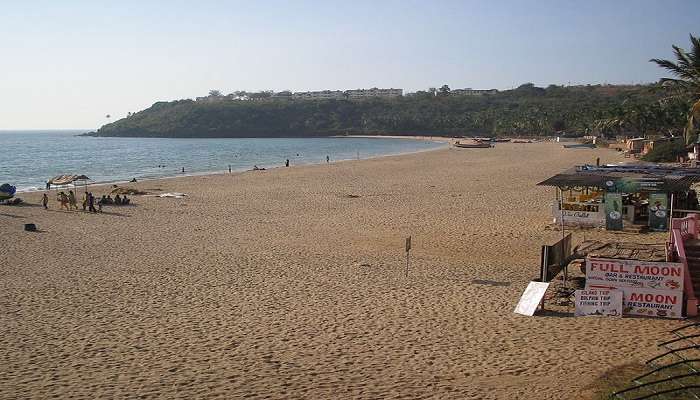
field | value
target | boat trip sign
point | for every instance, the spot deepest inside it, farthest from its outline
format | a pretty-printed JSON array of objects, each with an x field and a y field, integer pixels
[
  {"x": 603, "y": 302},
  {"x": 634, "y": 273}
]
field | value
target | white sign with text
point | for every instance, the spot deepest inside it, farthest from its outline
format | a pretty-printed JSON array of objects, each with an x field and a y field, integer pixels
[{"x": 604, "y": 302}]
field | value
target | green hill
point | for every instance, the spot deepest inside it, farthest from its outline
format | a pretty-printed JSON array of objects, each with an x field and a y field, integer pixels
[{"x": 527, "y": 110}]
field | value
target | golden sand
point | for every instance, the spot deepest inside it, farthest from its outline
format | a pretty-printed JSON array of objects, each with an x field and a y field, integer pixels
[{"x": 289, "y": 283}]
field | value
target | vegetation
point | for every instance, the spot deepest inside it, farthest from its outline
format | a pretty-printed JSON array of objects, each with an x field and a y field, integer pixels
[
  {"x": 525, "y": 111},
  {"x": 686, "y": 85},
  {"x": 669, "y": 151}
]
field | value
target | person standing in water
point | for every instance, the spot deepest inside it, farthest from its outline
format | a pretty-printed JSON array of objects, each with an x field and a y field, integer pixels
[
  {"x": 45, "y": 201},
  {"x": 286, "y": 163},
  {"x": 328, "y": 159},
  {"x": 229, "y": 168},
  {"x": 183, "y": 170}
]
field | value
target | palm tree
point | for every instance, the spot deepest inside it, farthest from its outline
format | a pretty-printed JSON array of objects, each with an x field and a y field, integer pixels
[{"x": 687, "y": 81}]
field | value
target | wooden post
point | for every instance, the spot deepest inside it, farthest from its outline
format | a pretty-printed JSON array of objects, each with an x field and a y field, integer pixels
[
  {"x": 561, "y": 211},
  {"x": 408, "y": 252}
]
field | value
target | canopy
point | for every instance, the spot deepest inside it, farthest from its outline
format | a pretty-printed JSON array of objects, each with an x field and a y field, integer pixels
[
  {"x": 627, "y": 178},
  {"x": 66, "y": 179}
]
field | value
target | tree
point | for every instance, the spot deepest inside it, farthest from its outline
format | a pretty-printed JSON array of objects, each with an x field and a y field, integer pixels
[
  {"x": 687, "y": 81},
  {"x": 444, "y": 90},
  {"x": 214, "y": 93}
]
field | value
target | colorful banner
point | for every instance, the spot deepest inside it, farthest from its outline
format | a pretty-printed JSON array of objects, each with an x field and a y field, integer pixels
[
  {"x": 617, "y": 273},
  {"x": 604, "y": 302},
  {"x": 613, "y": 211},
  {"x": 658, "y": 211}
]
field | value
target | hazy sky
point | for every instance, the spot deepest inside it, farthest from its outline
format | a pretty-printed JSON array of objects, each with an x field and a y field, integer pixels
[{"x": 66, "y": 64}]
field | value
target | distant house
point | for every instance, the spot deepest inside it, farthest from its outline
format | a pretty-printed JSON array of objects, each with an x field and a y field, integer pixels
[
  {"x": 283, "y": 95},
  {"x": 319, "y": 95},
  {"x": 635, "y": 145},
  {"x": 212, "y": 99},
  {"x": 373, "y": 92},
  {"x": 472, "y": 92}
]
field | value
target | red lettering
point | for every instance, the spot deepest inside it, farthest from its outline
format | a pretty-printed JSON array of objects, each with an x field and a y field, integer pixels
[
  {"x": 638, "y": 269},
  {"x": 650, "y": 298}
]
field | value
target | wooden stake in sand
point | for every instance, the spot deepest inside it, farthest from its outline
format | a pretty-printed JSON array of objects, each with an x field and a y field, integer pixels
[{"x": 408, "y": 252}]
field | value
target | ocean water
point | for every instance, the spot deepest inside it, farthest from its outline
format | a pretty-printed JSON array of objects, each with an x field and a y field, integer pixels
[{"x": 29, "y": 158}]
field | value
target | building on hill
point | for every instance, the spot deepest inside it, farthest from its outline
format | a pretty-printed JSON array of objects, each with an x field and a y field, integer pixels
[
  {"x": 283, "y": 95},
  {"x": 472, "y": 92},
  {"x": 373, "y": 92},
  {"x": 212, "y": 99},
  {"x": 319, "y": 95}
]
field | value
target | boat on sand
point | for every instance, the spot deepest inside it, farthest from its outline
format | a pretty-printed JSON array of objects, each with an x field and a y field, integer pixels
[{"x": 476, "y": 144}]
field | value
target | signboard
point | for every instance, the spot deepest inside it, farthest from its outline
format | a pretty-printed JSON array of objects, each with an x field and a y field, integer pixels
[
  {"x": 604, "y": 302},
  {"x": 531, "y": 298},
  {"x": 635, "y": 185},
  {"x": 553, "y": 258},
  {"x": 653, "y": 289},
  {"x": 579, "y": 218},
  {"x": 613, "y": 211},
  {"x": 617, "y": 273},
  {"x": 653, "y": 303},
  {"x": 658, "y": 211}
]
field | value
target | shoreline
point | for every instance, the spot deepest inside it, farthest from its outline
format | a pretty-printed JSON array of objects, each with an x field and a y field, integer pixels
[{"x": 240, "y": 170}]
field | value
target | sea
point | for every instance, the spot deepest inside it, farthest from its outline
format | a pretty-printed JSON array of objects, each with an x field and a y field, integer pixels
[{"x": 29, "y": 158}]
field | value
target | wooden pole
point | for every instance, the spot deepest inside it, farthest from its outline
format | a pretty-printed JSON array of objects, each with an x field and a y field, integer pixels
[{"x": 561, "y": 211}]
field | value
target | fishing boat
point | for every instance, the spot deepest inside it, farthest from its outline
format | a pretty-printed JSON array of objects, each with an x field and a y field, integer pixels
[
  {"x": 580, "y": 146},
  {"x": 473, "y": 145},
  {"x": 7, "y": 192}
]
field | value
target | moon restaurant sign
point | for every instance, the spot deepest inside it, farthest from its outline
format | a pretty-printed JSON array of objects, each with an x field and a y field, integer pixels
[{"x": 649, "y": 288}]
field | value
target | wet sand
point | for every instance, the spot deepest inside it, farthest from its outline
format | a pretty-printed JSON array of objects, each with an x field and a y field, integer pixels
[{"x": 290, "y": 283}]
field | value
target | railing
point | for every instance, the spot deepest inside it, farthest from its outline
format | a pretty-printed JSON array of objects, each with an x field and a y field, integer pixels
[
  {"x": 673, "y": 372},
  {"x": 683, "y": 229}
]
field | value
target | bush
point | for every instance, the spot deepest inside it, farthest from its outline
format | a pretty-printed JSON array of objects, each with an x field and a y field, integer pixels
[{"x": 666, "y": 152}]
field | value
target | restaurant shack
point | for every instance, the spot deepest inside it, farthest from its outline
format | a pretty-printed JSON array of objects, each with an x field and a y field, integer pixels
[{"x": 623, "y": 196}]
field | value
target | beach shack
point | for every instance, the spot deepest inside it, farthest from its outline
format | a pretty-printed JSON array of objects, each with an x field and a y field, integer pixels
[{"x": 630, "y": 197}]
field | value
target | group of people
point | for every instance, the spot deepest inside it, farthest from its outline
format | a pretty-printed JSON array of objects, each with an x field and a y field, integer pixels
[{"x": 69, "y": 201}]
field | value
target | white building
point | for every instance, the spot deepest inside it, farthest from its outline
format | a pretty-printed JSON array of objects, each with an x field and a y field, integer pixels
[
  {"x": 319, "y": 95},
  {"x": 472, "y": 92},
  {"x": 212, "y": 99},
  {"x": 374, "y": 92}
]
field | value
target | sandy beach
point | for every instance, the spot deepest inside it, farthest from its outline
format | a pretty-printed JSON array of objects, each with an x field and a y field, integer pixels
[{"x": 289, "y": 283}]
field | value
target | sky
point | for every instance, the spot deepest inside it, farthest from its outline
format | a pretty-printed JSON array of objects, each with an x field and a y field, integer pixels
[{"x": 68, "y": 64}]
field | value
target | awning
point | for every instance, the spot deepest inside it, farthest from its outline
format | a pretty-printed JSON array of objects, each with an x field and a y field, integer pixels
[{"x": 627, "y": 178}]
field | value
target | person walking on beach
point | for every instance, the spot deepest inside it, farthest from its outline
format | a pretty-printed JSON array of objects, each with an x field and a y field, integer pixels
[
  {"x": 48, "y": 185},
  {"x": 229, "y": 168},
  {"x": 286, "y": 163},
  {"x": 45, "y": 201},
  {"x": 63, "y": 199},
  {"x": 85, "y": 200},
  {"x": 91, "y": 203},
  {"x": 328, "y": 159},
  {"x": 71, "y": 200}
]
